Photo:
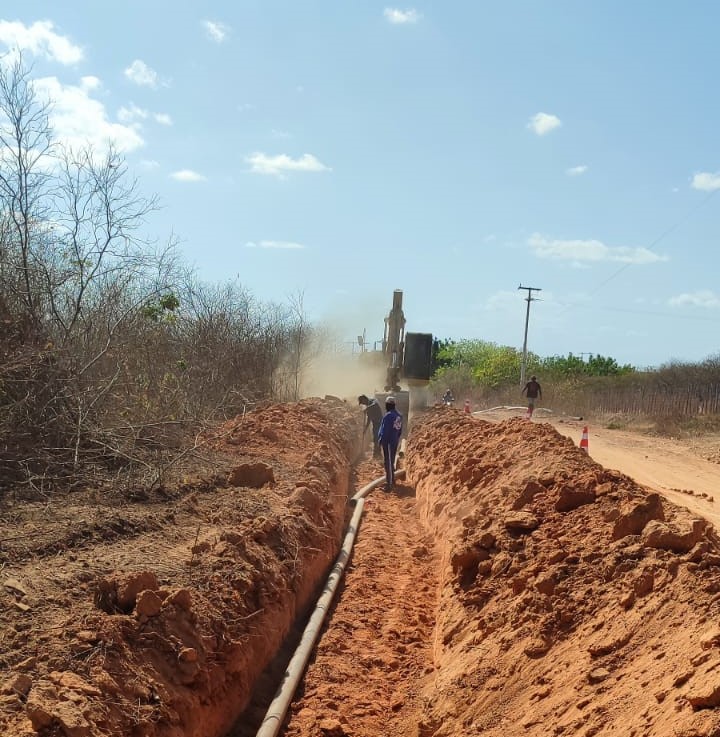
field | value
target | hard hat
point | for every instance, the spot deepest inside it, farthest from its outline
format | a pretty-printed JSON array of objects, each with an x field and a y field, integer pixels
[{"x": 389, "y": 400}]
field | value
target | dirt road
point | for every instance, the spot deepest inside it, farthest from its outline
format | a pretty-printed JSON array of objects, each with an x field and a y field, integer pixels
[{"x": 666, "y": 466}]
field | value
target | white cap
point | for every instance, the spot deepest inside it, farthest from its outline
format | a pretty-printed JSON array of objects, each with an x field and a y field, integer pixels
[{"x": 389, "y": 400}]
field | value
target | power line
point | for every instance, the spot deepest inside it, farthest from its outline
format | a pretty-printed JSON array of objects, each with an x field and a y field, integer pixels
[
  {"x": 656, "y": 313},
  {"x": 654, "y": 243}
]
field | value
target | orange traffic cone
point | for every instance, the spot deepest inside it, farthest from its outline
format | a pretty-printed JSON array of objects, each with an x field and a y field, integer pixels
[
  {"x": 467, "y": 406},
  {"x": 584, "y": 440}
]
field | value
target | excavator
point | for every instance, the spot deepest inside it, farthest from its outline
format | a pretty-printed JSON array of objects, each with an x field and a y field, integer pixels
[{"x": 408, "y": 359}]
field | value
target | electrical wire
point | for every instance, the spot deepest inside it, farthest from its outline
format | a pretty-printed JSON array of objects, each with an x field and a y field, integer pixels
[
  {"x": 656, "y": 313},
  {"x": 651, "y": 247}
]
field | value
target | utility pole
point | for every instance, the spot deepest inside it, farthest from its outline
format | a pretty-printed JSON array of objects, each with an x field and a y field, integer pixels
[{"x": 528, "y": 299}]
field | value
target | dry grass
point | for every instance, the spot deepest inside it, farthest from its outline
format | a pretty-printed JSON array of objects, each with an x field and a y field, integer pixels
[{"x": 679, "y": 426}]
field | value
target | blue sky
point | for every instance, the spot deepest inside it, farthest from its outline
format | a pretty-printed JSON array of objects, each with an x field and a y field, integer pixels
[{"x": 453, "y": 150}]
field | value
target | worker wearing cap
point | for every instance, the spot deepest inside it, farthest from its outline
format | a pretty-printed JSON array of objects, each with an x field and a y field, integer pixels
[{"x": 389, "y": 439}]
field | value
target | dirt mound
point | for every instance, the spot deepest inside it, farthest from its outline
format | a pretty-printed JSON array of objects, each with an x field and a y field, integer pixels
[
  {"x": 573, "y": 600},
  {"x": 164, "y": 629}
]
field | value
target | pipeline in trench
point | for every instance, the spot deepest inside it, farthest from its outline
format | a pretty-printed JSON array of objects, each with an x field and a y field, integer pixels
[{"x": 286, "y": 670}]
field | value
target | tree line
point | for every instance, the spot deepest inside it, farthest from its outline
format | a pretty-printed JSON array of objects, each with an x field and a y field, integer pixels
[
  {"x": 490, "y": 373},
  {"x": 113, "y": 354}
]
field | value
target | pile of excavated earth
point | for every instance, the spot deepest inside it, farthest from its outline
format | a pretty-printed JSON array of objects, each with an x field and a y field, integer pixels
[
  {"x": 573, "y": 601},
  {"x": 509, "y": 585}
]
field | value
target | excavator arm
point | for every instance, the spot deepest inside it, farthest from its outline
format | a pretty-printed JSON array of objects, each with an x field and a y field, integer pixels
[{"x": 394, "y": 343}]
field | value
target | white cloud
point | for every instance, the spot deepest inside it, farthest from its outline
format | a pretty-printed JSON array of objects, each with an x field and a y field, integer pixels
[
  {"x": 543, "y": 123},
  {"x": 149, "y": 164},
  {"x": 215, "y": 30},
  {"x": 79, "y": 120},
  {"x": 702, "y": 298},
  {"x": 706, "y": 181},
  {"x": 400, "y": 17},
  {"x": 41, "y": 40},
  {"x": 141, "y": 74},
  {"x": 131, "y": 113},
  {"x": 90, "y": 83},
  {"x": 576, "y": 171},
  {"x": 279, "y": 165},
  {"x": 590, "y": 251},
  {"x": 288, "y": 245},
  {"x": 187, "y": 175}
]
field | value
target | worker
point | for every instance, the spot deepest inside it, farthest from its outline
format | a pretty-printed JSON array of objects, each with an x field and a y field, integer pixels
[
  {"x": 389, "y": 439},
  {"x": 533, "y": 391},
  {"x": 373, "y": 416},
  {"x": 448, "y": 398}
]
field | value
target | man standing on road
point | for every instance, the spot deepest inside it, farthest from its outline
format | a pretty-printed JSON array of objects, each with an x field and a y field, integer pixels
[
  {"x": 389, "y": 439},
  {"x": 373, "y": 416},
  {"x": 533, "y": 391}
]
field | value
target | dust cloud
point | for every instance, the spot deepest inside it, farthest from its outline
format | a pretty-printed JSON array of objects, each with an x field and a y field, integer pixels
[
  {"x": 344, "y": 375},
  {"x": 332, "y": 366}
]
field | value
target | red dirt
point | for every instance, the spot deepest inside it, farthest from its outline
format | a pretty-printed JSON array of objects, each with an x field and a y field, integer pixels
[
  {"x": 573, "y": 600},
  {"x": 511, "y": 585},
  {"x": 157, "y": 617},
  {"x": 371, "y": 663}
]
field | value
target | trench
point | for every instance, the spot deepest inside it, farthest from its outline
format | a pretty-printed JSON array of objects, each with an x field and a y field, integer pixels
[{"x": 365, "y": 671}]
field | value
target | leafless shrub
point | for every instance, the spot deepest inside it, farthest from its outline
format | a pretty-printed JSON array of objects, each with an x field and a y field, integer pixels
[{"x": 113, "y": 356}]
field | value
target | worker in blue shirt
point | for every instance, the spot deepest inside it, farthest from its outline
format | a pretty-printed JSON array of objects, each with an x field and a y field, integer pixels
[{"x": 389, "y": 439}]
